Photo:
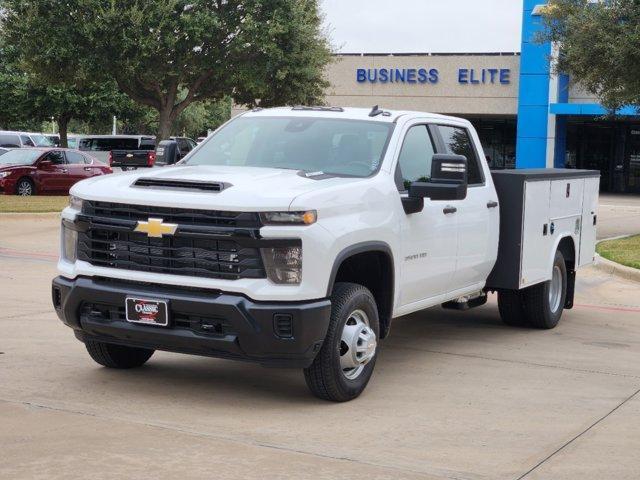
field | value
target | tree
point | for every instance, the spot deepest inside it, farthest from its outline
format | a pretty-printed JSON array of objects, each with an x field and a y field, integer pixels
[
  {"x": 599, "y": 45},
  {"x": 200, "y": 117},
  {"x": 55, "y": 82},
  {"x": 168, "y": 54}
]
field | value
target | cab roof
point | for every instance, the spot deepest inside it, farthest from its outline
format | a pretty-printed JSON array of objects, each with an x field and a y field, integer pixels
[{"x": 350, "y": 113}]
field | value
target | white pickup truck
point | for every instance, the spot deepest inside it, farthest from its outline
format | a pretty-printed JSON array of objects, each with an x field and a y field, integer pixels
[{"x": 293, "y": 236}]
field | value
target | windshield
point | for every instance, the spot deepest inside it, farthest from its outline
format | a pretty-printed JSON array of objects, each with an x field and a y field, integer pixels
[
  {"x": 319, "y": 145},
  {"x": 41, "y": 140},
  {"x": 21, "y": 156}
]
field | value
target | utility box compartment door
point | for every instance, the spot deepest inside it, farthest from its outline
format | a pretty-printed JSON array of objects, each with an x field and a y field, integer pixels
[
  {"x": 536, "y": 237},
  {"x": 566, "y": 197},
  {"x": 589, "y": 220}
]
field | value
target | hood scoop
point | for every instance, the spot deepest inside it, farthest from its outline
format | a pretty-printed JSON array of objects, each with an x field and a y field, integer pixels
[{"x": 175, "y": 184}]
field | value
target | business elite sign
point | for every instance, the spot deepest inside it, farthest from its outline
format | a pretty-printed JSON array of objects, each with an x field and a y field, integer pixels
[{"x": 466, "y": 76}]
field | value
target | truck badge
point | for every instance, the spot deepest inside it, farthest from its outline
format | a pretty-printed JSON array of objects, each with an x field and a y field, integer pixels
[{"x": 155, "y": 227}]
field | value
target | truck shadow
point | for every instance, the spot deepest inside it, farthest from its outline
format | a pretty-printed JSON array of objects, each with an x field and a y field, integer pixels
[{"x": 418, "y": 337}]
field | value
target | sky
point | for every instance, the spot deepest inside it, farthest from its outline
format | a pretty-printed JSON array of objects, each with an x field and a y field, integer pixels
[{"x": 423, "y": 26}]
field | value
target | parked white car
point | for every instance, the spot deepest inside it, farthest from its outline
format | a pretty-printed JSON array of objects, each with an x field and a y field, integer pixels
[
  {"x": 293, "y": 236},
  {"x": 11, "y": 139}
]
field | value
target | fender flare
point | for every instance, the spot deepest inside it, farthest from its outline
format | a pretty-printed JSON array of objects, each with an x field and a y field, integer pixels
[
  {"x": 367, "y": 247},
  {"x": 363, "y": 247}
]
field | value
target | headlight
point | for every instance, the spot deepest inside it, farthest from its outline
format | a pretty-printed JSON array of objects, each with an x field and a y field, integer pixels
[
  {"x": 289, "y": 218},
  {"x": 69, "y": 243},
  {"x": 283, "y": 264},
  {"x": 4, "y": 174},
  {"x": 75, "y": 202}
]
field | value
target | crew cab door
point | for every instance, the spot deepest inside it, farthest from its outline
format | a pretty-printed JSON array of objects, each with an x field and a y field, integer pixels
[
  {"x": 79, "y": 167},
  {"x": 477, "y": 216},
  {"x": 428, "y": 237}
]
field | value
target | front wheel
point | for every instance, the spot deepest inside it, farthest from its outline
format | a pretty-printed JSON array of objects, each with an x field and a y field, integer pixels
[
  {"x": 25, "y": 188},
  {"x": 343, "y": 367},
  {"x": 117, "y": 356}
]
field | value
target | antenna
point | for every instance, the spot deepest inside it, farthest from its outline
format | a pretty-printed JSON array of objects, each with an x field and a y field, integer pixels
[{"x": 375, "y": 111}]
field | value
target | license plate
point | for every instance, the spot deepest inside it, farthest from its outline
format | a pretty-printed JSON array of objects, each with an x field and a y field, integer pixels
[{"x": 147, "y": 311}]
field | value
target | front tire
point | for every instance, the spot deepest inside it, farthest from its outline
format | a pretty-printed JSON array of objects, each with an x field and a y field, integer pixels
[
  {"x": 25, "y": 188},
  {"x": 344, "y": 365},
  {"x": 117, "y": 356}
]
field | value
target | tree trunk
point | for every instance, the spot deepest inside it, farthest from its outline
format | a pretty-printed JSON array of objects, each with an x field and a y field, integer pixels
[
  {"x": 165, "y": 122},
  {"x": 63, "y": 125}
]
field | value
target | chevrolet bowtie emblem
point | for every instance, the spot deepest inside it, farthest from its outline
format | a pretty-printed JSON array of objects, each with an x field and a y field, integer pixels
[{"x": 155, "y": 228}]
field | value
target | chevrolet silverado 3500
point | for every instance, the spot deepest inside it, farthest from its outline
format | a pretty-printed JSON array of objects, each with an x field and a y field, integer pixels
[{"x": 293, "y": 236}]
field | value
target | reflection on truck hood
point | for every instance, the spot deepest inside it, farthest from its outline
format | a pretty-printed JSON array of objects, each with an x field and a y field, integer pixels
[{"x": 252, "y": 189}]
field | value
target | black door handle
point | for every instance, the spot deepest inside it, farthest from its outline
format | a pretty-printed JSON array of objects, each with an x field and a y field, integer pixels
[
  {"x": 448, "y": 210},
  {"x": 492, "y": 204}
]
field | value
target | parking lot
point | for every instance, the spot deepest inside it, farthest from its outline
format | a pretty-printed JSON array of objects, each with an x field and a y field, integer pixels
[{"x": 455, "y": 395}]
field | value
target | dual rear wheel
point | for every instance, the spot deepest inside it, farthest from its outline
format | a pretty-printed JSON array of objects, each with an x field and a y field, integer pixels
[{"x": 538, "y": 306}]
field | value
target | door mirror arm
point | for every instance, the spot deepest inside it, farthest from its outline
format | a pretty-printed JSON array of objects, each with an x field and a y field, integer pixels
[{"x": 412, "y": 204}]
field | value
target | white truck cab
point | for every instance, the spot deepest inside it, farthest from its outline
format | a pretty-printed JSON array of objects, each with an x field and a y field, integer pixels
[{"x": 293, "y": 236}]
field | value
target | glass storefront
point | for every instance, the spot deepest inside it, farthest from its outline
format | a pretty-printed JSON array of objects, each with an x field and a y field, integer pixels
[
  {"x": 498, "y": 138},
  {"x": 613, "y": 147}
]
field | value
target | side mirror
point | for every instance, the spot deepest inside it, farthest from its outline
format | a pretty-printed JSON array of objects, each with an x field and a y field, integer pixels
[
  {"x": 448, "y": 182},
  {"x": 45, "y": 164}
]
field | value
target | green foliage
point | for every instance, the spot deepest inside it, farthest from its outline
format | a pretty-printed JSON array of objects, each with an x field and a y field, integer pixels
[
  {"x": 35, "y": 88},
  {"x": 168, "y": 54},
  {"x": 200, "y": 117},
  {"x": 599, "y": 45}
]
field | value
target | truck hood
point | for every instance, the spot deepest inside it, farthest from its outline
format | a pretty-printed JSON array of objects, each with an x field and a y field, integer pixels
[{"x": 248, "y": 188}]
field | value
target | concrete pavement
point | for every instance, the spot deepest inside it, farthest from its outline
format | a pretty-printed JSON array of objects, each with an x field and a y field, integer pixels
[
  {"x": 618, "y": 215},
  {"x": 455, "y": 395}
]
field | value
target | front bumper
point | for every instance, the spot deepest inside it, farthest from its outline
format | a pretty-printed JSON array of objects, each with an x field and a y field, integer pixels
[{"x": 201, "y": 322}]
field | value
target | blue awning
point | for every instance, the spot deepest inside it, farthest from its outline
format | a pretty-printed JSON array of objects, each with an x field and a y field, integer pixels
[{"x": 590, "y": 109}]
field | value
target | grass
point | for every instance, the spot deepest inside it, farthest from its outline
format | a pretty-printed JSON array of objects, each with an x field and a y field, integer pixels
[
  {"x": 625, "y": 251},
  {"x": 35, "y": 204}
]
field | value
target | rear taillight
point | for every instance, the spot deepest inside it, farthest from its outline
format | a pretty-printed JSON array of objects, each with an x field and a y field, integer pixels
[
  {"x": 151, "y": 158},
  {"x": 110, "y": 159}
]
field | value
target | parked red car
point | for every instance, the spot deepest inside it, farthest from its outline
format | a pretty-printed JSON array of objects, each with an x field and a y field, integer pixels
[{"x": 46, "y": 171}]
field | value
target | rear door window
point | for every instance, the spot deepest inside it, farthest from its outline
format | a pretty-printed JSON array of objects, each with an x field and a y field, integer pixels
[
  {"x": 108, "y": 144},
  {"x": 26, "y": 141},
  {"x": 457, "y": 141},
  {"x": 76, "y": 158}
]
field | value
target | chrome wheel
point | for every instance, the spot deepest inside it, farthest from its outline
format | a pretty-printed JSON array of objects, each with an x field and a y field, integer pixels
[
  {"x": 357, "y": 344},
  {"x": 25, "y": 188},
  {"x": 555, "y": 289}
]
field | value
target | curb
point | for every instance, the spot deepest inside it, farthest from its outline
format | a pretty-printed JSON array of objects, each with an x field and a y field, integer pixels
[{"x": 613, "y": 268}]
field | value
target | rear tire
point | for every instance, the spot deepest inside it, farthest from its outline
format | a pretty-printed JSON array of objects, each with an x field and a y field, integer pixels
[
  {"x": 343, "y": 367},
  {"x": 117, "y": 356},
  {"x": 25, "y": 187},
  {"x": 543, "y": 304},
  {"x": 538, "y": 306},
  {"x": 510, "y": 307}
]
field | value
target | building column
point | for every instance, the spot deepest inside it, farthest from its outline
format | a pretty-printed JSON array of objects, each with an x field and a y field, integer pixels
[{"x": 533, "y": 99}]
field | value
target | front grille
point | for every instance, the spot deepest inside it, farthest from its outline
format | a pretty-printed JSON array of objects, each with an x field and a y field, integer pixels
[
  {"x": 213, "y": 218},
  {"x": 212, "y": 325},
  {"x": 220, "y": 248}
]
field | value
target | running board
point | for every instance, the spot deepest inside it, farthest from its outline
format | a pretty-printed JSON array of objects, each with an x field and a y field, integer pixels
[{"x": 468, "y": 301}]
